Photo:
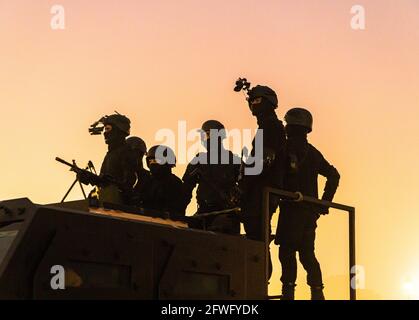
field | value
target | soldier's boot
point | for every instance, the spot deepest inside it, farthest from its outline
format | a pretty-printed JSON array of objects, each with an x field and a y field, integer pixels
[
  {"x": 288, "y": 291},
  {"x": 317, "y": 293}
]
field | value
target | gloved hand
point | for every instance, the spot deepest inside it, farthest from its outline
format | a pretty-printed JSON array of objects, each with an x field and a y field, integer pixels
[
  {"x": 87, "y": 177},
  {"x": 322, "y": 210}
]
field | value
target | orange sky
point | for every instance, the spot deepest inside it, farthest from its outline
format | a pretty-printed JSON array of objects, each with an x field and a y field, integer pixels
[{"x": 163, "y": 61}]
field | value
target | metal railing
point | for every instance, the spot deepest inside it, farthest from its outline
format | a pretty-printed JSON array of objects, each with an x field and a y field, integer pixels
[{"x": 297, "y": 196}]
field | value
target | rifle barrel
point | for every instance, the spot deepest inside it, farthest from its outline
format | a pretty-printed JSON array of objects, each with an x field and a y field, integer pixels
[{"x": 64, "y": 162}]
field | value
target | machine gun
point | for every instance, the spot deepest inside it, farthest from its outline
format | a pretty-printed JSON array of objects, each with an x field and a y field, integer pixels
[
  {"x": 73, "y": 166},
  {"x": 76, "y": 169},
  {"x": 93, "y": 178}
]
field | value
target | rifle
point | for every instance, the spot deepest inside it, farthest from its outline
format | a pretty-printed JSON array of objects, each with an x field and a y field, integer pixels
[
  {"x": 73, "y": 166},
  {"x": 94, "y": 178},
  {"x": 75, "y": 181}
]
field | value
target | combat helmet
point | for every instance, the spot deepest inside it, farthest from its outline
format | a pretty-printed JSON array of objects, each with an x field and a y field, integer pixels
[
  {"x": 209, "y": 125},
  {"x": 119, "y": 121},
  {"x": 162, "y": 155},
  {"x": 265, "y": 92},
  {"x": 137, "y": 144},
  {"x": 300, "y": 117}
]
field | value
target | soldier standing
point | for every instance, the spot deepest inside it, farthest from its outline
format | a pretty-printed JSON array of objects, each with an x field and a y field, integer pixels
[
  {"x": 117, "y": 173},
  {"x": 139, "y": 148},
  {"x": 216, "y": 173},
  {"x": 297, "y": 220},
  {"x": 262, "y": 102}
]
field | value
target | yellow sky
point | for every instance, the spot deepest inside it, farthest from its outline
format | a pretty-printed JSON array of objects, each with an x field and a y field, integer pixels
[{"x": 164, "y": 61}]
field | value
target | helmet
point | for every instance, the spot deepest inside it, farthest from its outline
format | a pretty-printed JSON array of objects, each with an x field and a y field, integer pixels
[
  {"x": 212, "y": 124},
  {"x": 162, "y": 155},
  {"x": 118, "y": 120},
  {"x": 209, "y": 125},
  {"x": 138, "y": 144},
  {"x": 265, "y": 92},
  {"x": 299, "y": 117}
]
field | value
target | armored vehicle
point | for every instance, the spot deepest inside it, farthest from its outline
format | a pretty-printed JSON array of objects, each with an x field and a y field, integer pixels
[{"x": 71, "y": 251}]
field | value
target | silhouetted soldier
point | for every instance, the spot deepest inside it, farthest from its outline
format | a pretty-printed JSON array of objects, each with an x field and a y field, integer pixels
[
  {"x": 142, "y": 175},
  {"x": 117, "y": 174},
  {"x": 163, "y": 191},
  {"x": 297, "y": 220},
  {"x": 140, "y": 150},
  {"x": 262, "y": 102},
  {"x": 216, "y": 173}
]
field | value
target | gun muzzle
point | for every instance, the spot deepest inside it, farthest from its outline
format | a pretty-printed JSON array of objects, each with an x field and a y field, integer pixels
[{"x": 63, "y": 162}]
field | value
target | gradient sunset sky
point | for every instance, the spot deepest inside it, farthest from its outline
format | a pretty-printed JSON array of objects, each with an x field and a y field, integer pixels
[{"x": 159, "y": 62}]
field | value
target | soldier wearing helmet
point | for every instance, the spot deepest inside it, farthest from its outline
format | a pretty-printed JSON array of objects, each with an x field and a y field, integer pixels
[
  {"x": 262, "y": 102},
  {"x": 138, "y": 145},
  {"x": 139, "y": 148},
  {"x": 117, "y": 173},
  {"x": 216, "y": 173},
  {"x": 297, "y": 220},
  {"x": 162, "y": 191}
]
